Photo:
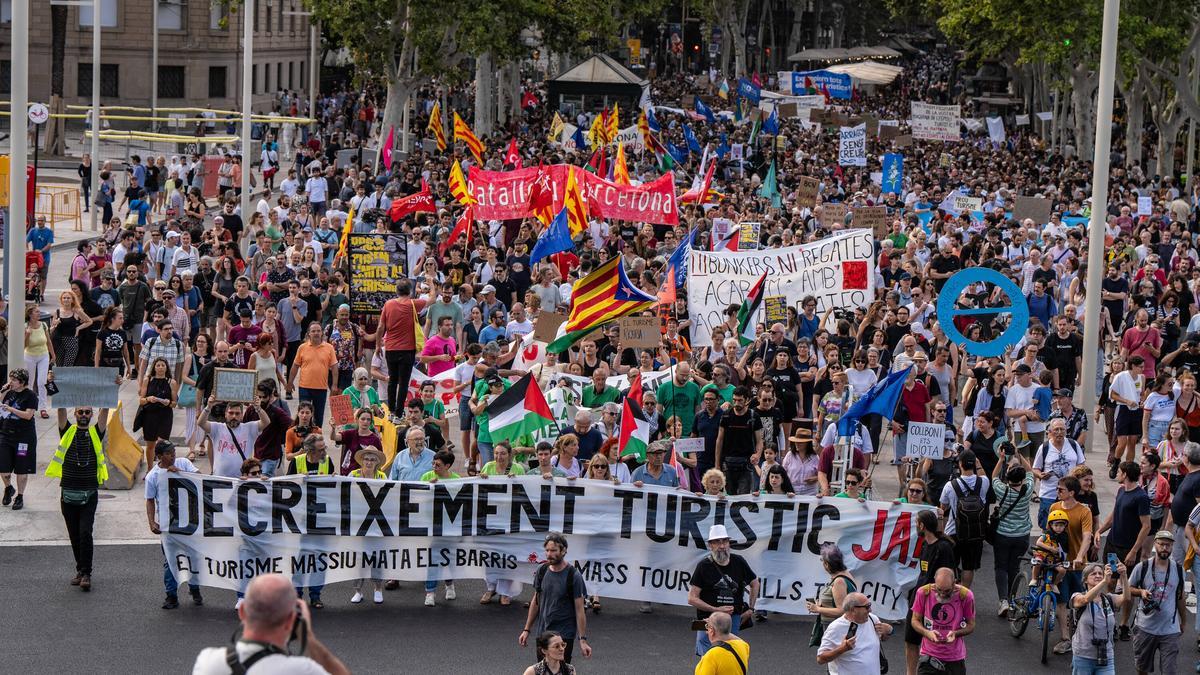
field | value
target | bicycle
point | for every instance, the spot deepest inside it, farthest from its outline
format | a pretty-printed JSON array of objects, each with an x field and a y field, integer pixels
[{"x": 1039, "y": 602}]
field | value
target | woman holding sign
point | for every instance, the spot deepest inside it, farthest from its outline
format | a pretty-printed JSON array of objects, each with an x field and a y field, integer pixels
[
  {"x": 156, "y": 398},
  {"x": 354, "y": 437}
]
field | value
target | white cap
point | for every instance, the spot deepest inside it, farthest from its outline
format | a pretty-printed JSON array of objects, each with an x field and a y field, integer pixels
[
  {"x": 717, "y": 532},
  {"x": 172, "y": 233}
]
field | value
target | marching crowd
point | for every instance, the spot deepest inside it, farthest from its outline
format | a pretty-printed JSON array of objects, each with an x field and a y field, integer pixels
[{"x": 179, "y": 288}]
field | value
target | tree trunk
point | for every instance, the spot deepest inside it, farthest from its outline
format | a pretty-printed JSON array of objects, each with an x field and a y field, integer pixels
[
  {"x": 398, "y": 91},
  {"x": 55, "y": 141},
  {"x": 1135, "y": 102},
  {"x": 485, "y": 101}
]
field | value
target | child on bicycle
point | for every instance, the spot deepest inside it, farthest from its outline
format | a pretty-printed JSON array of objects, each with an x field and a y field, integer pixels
[{"x": 1050, "y": 549}]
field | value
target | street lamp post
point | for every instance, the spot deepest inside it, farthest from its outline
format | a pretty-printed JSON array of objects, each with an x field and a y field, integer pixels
[
  {"x": 18, "y": 153},
  {"x": 314, "y": 81},
  {"x": 247, "y": 100}
]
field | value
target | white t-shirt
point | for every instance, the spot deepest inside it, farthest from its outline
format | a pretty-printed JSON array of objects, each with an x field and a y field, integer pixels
[
  {"x": 289, "y": 186},
  {"x": 860, "y": 381},
  {"x": 950, "y": 497},
  {"x": 1022, "y": 398},
  {"x": 1056, "y": 463},
  {"x": 1161, "y": 407},
  {"x": 186, "y": 261},
  {"x": 211, "y": 661},
  {"x": 1126, "y": 387},
  {"x": 519, "y": 328},
  {"x": 315, "y": 187},
  {"x": 227, "y": 461},
  {"x": 182, "y": 463},
  {"x": 863, "y": 659}
]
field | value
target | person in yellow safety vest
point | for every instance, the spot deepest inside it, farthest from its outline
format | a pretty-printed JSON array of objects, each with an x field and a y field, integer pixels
[
  {"x": 369, "y": 458},
  {"x": 80, "y": 464},
  {"x": 313, "y": 462}
]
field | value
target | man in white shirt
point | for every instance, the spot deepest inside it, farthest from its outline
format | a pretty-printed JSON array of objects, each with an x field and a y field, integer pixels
[
  {"x": 185, "y": 259},
  {"x": 520, "y": 325},
  {"x": 166, "y": 256},
  {"x": 856, "y": 654},
  {"x": 316, "y": 188},
  {"x": 233, "y": 440},
  {"x": 264, "y": 203},
  {"x": 1021, "y": 408},
  {"x": 289, "y": 186},
  {"x": 1055, "y": 458},
  {"x": 165, "y": 462}
]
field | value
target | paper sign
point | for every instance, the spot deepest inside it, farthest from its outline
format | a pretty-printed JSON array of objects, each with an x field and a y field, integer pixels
[
  {"x": 748, "y": 239},
  {"x": 925, "y": 440},
  {"x": 1145, "y": 206},
  {"x": 545, "y": 329},
  {"x": 340, "y": 410},
  {"x": 640, "y": 332},
  {"x": 852, "y": 148},
  {"x": 1036, "y": 209},
  {"x": 964, "y": 203},
  {"x": 873, "y": 218},
  {"x": 776, "y": 308},
  {"x": 94, "y": 387},
  {"x": 234, "y": 384},
  {"x": 833, "y": 213},
  {"x": 688, "y": 446},
  {"x": 806, "y": 195},
  {"x": 904, "y": 141}
]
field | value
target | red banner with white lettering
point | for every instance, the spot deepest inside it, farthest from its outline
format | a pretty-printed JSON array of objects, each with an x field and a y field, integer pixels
[{"x": 504, "y": 195}]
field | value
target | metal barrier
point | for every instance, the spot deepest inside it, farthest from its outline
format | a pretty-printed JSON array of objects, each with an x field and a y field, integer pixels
[{"x": 59, "y": 203}]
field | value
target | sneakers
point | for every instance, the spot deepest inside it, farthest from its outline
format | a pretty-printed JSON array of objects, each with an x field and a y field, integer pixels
[
  {"x": 78, "y": 577},
  {"x": 18, "y": 502},
  {"x": 429, "y": 599},
  {"x": 8, "y": 495},
  {"x": 85, "y": 581},
  {"x": 1062, "y": 647},
  {"x": 172, "y": 602},
  {"x": 391, "y": 585},
  {"x": 760, "y": 616},
  {"x": 1112, "y": 471},
  {"x": 378, "y": 597},
  {"x": 1003, "y": 608},
  {"x": 451, "y": 594},
  {"x": 357, "y": 598},
  {"x": 197, "y": 599}
]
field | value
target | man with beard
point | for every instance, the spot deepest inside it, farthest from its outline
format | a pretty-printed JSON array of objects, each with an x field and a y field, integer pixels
[
  {"x": 557, "y": 604},
  {"x": 232, "y": 440},
  {"x": 937, "y": 552},
  {"x": 943, "y": 613},
  {"x": 719, "y": 584},
  {"x": 1158, "y": 581}
]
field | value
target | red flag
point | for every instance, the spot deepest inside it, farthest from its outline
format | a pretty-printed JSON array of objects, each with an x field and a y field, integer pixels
[
  {"x": 387, "y": 148},
  {"x": 541, "y": 197},
  {"x": 513, "y": 155},
  {"x": 529, "y": 99},
  {"x": 756, "y": 79},
  {"x": 701, "y": 196},
  {"x": 635, "y": 390},
  {"x": 421, "y": 202},
  {"x": 462, "y": 227}
]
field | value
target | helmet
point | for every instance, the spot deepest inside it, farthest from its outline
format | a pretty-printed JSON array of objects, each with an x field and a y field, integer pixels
[{"x": 1055, "y": 515}]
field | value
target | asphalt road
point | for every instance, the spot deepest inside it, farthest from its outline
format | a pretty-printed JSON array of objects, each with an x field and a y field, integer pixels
[{"x": 50, "y": 626}]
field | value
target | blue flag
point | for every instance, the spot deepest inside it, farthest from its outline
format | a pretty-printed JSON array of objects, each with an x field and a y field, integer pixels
[
  {"x": 690, "y": 137},
  {"x": 893, "y": 173},
  {"x": 680, "y": 155},
  {"x": 679, "y": 259},
  {"x": 880, "y": 399},
  {"x": 771, "y": 125},
  {"x": 749, "y": 90},
  {"x": 556, "y": 239},
  {"x": 580, "y": 140},
  {"x": 651, "y": 120},
  {"x": 705, "y": 110}
]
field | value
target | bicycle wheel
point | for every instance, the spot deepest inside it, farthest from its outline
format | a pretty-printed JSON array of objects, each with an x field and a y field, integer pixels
[
  {"x": 1047, "y": 623},
  {"x": 1018, "y": 616}
]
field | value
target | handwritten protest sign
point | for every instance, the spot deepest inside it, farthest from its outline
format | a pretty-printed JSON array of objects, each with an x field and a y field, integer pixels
[
  {"x": 833, "y": 213},
  {"x": 935, "y": 122},
  {"x": 1145, "y": 206},
  {"x": 852, "y": 149},
  {"x": 926, "y": 440},
  {"x": 806, "y": 194},
  {"x": 377, "y": 262},
  {"x": 340, "y": 410},
  {"x": 873, "y": 218},
  {"x": 234, "y": 384},
  {"x": 640, "y": 332},
  {"x": 85, "y": 386},
  {"x": 965, "y": 204}
]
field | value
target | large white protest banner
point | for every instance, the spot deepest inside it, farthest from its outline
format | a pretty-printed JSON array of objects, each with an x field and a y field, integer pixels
[
  {"x": 935, "y": 122},
  {"x": 852, "y": 146},
  {"x": 630, "y": 543},
  {"x": 835, "y": 270}
]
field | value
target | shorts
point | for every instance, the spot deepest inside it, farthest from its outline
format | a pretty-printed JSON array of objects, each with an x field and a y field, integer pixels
[
  {"x": 1121, "y": 551},
  {"x": 1145, "y": 645},
  {"x": 18, "y": 457},
  {"x": 1129, "y": 422},
  {"x": 1071, "y": 584},
  {"x": 925, "y": 667},
  {"x": 466, "y": 418},
  {"x": 911, "y": 636},
  {"x": 968, "y": 554}
]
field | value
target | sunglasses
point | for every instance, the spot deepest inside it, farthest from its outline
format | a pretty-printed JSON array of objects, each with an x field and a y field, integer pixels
[
  {"x": 916, "y": 491},
  {"x": 255, "y": 473},
  {"x": 851, "y": 483}
]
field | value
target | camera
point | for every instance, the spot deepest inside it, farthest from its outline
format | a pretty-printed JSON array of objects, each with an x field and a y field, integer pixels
[
  {"x": 1101, "y": 646},
  {"x": 1150, "y": 606}
]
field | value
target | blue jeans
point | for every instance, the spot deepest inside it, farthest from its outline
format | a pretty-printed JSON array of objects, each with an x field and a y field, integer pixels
[
  {"x": 485, "y": 453},
  {"x": 314, "y": 592},
  {"x": 1044, "y": 510},
  {"x": 1084, "y": 666},
  {"x": 702, "y": 642},
  {"x": 317, "y": 398},
  {"x": 1156, "y": 431},
  {"x": 269, "y": 466},
  {"x": 170, "y": 585}
]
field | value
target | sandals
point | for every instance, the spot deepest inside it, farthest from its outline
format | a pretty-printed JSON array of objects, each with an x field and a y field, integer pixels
[
  {"x": 487, "y": 598},
  {"x": 317, "y": 604},
  {"x": 596, "y": 605},
  {"x": 505, "y": 601}
]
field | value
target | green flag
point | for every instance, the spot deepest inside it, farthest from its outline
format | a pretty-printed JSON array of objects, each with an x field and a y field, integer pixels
[{"x": 770, "y": 188}]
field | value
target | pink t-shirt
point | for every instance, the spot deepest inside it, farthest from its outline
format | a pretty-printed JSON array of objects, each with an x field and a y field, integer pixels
[
  {"x": 943, "y": 617},
  {"x": 439, "y": 345}
]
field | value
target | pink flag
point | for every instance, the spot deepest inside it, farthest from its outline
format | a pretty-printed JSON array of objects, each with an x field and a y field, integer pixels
[{"x": 387, "y": 149}]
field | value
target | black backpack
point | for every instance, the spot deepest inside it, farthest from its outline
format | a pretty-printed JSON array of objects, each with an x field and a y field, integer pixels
[{"x": 971, "y": 512}]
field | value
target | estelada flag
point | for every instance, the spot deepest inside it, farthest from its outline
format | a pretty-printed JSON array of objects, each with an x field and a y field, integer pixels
[
  {"x": 620, "y": 170},
  {"x": 463, "y": 133},
  {"x": 435, "y": 126},
  {"x": 458, "y": 185},
  {"x": 612, "y": 124},
  {"x": 420, "y": 202}
]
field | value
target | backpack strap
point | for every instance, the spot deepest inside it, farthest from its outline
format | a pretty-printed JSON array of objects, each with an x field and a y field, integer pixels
[
  {"x": 727, "y": 647},
  {"x": 239, "y": 667}
]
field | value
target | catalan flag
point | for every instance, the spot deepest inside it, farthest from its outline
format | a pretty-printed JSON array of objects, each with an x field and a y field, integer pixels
[
  {"x": 346, "y": 229},
  {"x": 612, "y": 125},
  {"x": 620, "y": 170},
  {"x": 435, "y": 126},
  {"x": 601, "y": 297},
  {"x": 463, "y": 133},
  {"x": 573, "y": 202},
  {"x": 598, "y": 134},
  {"x": 458, "y": 185},
  {"x": 643, "y": 125}
]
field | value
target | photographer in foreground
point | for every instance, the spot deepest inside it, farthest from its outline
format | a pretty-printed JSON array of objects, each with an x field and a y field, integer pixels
[
  {"x": 1158, "y": 625},
  {"x": 271, "y": 618}
]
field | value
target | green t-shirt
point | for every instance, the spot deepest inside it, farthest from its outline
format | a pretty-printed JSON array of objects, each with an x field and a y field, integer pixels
[
  {"x": 593, "y": 400},
  {"x": 481, "y": 392},
  {"x": 435, "y": 409},
  {"x": 726, "y": 392},
  {"x": 679, "y": 401},
  {"x": 490, "y": 469},
  {"x": 430, "y": 475}
]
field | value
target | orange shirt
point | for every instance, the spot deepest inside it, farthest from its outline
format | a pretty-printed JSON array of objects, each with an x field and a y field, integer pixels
[
  {"x": 314, "y": 364},
  {"x": 397, "y": 321}
]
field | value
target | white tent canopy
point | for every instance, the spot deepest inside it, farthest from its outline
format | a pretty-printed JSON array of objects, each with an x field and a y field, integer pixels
[
  {"x": 868, "y": 72},
  {"x": 839, "y": 54}
]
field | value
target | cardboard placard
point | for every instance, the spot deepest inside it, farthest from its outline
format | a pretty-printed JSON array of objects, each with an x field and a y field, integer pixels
[
  {"x": 776, "y": 308},
  {"x": 339, "y": 409},
  {"x": 688, "y": 446},
  {"x": 904, "y": 141},
  {"x": 234, "y": 384},
  {"x": 545, "y": 329},
  {"x": 834, "y": 213},
  {"x": 887, "y": 133},
  {"x": 806, "y": 195},
  {"x": 1036, "y": 209},
  {"x": 640, "y": 332},
  {"x": 788, "y": 110},
  {"x": 926, "y": 440},
  {"x": 748, "y": 239},
  {"x": 965, "y": 203},
  {"x": 873, "y": 218},
  {"x": 84, "y": 386}
]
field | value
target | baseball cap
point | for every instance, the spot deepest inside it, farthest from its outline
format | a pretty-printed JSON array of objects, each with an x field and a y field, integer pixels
[
  {"x": 1063, "y": 392},
  {"x": 1164, "y": 534},
  {"x": 488, "y": 289},
  {"x": 1022, "y": 368}
]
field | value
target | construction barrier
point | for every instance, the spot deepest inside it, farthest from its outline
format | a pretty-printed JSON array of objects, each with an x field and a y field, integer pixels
[{"x": 59, "y": 203}]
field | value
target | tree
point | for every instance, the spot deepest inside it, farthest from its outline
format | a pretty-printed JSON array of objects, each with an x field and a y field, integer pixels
[{"x": 55, "y": 138}]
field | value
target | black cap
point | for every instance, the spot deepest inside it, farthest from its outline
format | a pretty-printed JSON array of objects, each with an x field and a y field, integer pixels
[
  {"x": 1022, "y": 368},
  {"x": 1063, "y": 392}
]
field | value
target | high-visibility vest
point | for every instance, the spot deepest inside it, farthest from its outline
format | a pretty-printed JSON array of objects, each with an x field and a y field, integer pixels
[
  {"x": 54, "y": 470},
  {"x": 325, "y": 468},
  {"x": 358, "y": 473}
]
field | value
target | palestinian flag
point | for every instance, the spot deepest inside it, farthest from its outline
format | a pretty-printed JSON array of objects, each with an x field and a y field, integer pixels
[
  {"x": 520, "y": 410},
  {"x": 635, "y": 431},
  {"x": 749, "y": 310},
  {"x": 729, "y": 242}
]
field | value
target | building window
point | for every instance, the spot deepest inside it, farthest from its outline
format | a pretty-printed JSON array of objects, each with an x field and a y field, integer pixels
[
  {"x": 5, "y": 77},
  {"x": 254, "y": 79},
  {"x": 171, "y": 82},
  {"x": 218, "y": 16},
  {"x": 257, "y": 11},
  {"x": 170, "y": 14},
  {"x": 109, "y": 80},
  {"x": 303, "y": 82},
  {"x": 5, "y": 11},
  {"x": 216, "y": 81},
  {"x": 291, "y": 75},
  {"x": 270, "y": 9},
  {"x": 108, "y": 18},
  {"x": 279, "y": 75},
  {"x": 281, "y": 20}
]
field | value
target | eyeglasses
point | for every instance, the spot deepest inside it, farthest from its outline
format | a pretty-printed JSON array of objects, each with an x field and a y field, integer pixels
[
  {"x": 255, "y": 473},
  {"x": 916, "y": 491},
  {"x": 866, "y": 606}
]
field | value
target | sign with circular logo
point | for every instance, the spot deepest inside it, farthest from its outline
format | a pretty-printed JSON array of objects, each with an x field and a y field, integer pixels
[
  {"x": 1017, "y": 309},
  {"x": 39, "y": 113}
]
